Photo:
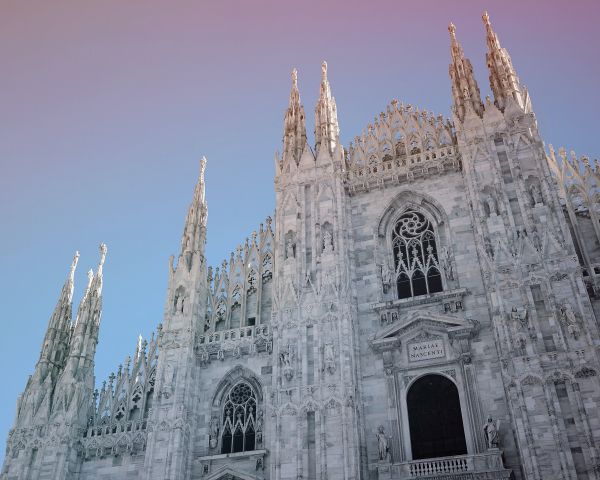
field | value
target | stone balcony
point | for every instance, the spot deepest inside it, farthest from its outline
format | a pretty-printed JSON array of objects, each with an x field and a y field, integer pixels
[{"x": 481, "y": 466}]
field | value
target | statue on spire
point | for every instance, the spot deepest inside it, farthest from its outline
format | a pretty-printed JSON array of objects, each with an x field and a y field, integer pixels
[{"x": 452, "y": 30}]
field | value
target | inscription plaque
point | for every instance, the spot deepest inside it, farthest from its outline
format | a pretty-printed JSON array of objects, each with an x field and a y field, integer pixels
[{"x": 426, "y": 350}]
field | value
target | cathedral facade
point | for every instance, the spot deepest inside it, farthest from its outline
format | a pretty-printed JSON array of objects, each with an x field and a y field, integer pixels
[{"x": 423, "y": 304}]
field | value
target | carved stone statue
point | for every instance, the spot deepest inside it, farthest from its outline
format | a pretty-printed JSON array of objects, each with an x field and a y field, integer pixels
[
  {"x": 569, "y": 320},
  {"x": 382, "y": 444},
  {"x": 327, "y": 242},
  {"x": 536, "y": 194},
  {"x": 168, "y": 380},
  {"x": 213, "y": 429},
  {"x": 179, "y": 303},
  {"x": 519, "y": 316},
  {"x": 490, "y": 429},
  {"x": 289, "y": 249},
  {"x": 329, "y": 358},
  {"x": 387, "y": 277},
  {"x": 285, "y": 358},
  {"x": 259, "y": 427},
  {"x": 446, "y": 264},
  {"x": 491, "y": 203}
]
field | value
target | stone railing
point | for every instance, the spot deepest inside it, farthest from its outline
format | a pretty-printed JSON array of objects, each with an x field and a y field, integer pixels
[
  {"x": 235, "y": 342},
  {"x": 405, "y": 168},
  {"x": 234, "y": 334},
  {"x": 115, "y": 440},
  {"x": 115, "y": 428},
  {"x": 426, "y": 468},
  {"x": 482, "y": 466}
]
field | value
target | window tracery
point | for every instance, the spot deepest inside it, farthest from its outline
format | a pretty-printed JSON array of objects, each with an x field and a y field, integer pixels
[
  {"x": 415, "y": 256},
  {"x": 239, "y": 430}
]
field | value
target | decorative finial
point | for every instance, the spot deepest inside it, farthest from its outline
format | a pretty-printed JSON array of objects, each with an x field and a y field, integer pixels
[
  {"x": 202, "y": 165},
  {"x": 324, "y": 70},
  {"x": 486, "y": 18},
  {"x": 295, "y": 78},
  {"x": 452, "y": 30}
]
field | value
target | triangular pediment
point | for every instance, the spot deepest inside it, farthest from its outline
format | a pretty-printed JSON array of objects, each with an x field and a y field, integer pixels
[
  {"x": 412, "y": 322},
  {"x": 228, "y": 473}
]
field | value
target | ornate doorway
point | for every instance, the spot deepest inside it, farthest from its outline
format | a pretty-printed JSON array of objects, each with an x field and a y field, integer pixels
[{"x": 435, "y": 418}]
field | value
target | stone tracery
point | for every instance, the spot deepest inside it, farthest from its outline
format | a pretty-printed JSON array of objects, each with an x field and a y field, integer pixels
[{"x": 415, "y": 256}]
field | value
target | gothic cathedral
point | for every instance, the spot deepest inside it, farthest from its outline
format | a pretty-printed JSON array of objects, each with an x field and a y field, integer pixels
[{"x": 422, "y": 305}]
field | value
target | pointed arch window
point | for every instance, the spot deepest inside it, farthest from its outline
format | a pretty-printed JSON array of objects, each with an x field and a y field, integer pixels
[
  {"x": 415, "y": 256},
  {"x": 239, "y": 420}
]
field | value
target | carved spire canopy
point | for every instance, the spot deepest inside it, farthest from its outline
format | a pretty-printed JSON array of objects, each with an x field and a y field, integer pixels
[
  {"x": 327, "y": 130},
  {"x": 503, "y": 78},
  {"x": 465, "y": 91},
  {"x": 294, "y": 125}
]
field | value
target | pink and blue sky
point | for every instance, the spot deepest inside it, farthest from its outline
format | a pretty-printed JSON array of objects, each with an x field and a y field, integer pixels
[{"x": 106, "y": 108}]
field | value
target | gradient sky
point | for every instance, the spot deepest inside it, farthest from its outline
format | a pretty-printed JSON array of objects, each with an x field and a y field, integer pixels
[{"x": 107, "y": 106}]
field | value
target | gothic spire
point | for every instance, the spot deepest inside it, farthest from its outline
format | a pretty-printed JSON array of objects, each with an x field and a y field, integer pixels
[
  {"x": 194, "y": 231},
  {"x": 294, "y": 125},
  {"x": 57, "y": 334},
  {"x": 465, "y": 91},
  {"x": 503, "y": 78},
  {"x": 82, "y": 345},
  {"x": 327, "y": 130}
]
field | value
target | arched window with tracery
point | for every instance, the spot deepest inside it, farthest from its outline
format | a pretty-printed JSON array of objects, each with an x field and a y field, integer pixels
[
  {"x": 415, "y": 256},
  {"x": 239, "y": 419}
]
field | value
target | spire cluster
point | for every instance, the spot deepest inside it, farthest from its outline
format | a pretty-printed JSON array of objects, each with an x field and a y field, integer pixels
[
  {"x": 327, "y": 131},
  {"x": 504, "y": 82}
]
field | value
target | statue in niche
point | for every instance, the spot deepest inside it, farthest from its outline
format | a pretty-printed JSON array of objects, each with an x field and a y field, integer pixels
[
  {"x": 168, "y": 380},
  {"x": 179, "y": 303},
  {"x": 569, "y": 319},
  {"x": 491, "y": 204},
  {"x": 536, "y": 194},
  {"x": 489, "y": 250},
  {"x": 213, "y": 432},
  {"x": 490, "y": 429},
  {"x": 522, "y": 344},
  {"x": 329, "y": 358},
  {"x": 327, "y": 242},
  {"x": 383, "y": 447},
  {"x": 289, "y": 249},
  {"x": 285, "y": 358},
  {"x": 259, "y": 427},
  {"x": 446, "y": 264},
  {"x": 535, "y": 238},
  {"x": 519, "y": 316},
  {"x": 387, "y": 277}
]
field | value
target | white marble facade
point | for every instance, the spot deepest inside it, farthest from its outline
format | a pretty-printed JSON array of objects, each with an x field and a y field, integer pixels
[{"x": 422, "y": 305}]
